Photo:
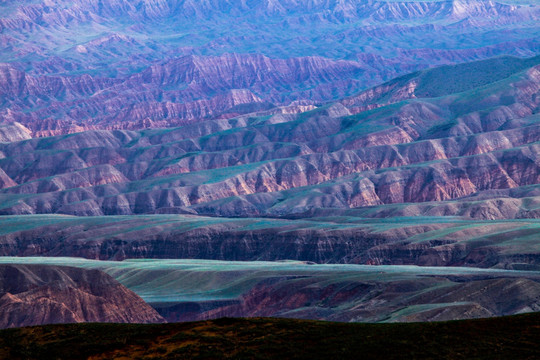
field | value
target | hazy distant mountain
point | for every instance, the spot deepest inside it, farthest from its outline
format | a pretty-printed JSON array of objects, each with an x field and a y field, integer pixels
[{"x": 74, "y": 65}]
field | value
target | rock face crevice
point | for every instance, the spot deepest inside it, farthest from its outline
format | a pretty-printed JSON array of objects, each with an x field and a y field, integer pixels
[{"x": 41, "y": 294}]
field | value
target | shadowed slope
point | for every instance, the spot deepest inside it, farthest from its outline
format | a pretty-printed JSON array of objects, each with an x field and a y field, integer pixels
[
  {"x": 510, "y": 337},
  {"x": 439, "y": 81}
]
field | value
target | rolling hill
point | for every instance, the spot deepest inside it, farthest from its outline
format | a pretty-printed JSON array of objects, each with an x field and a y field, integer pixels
[
  {"x": 416, "y": 179},
  {"x": 480, "y": 143}
]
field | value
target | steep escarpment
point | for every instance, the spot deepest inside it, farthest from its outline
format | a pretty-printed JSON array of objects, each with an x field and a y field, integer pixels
[
  {"x": 41, "y": 294},
  {"x": 327, "y": 237}
]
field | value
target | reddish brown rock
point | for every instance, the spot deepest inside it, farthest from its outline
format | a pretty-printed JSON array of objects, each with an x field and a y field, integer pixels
[{"x": 41, "y": 294}]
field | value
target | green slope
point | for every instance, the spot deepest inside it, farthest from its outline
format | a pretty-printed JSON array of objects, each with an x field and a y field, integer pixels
[{"x": 452, "y": 79}]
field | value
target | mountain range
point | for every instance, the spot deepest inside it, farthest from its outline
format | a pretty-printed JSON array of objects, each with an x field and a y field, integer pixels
[
  {"x": 428, "y": 138},
  {"x": 288, "y": 145},
  {"x": 67, "y": 66}
]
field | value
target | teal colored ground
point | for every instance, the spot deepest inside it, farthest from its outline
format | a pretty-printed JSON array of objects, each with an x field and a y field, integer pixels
[{"x": 172, "y": 281}]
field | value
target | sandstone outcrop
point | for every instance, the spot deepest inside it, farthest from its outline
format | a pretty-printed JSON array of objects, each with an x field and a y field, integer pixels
[{"x": 41, "y": 294}]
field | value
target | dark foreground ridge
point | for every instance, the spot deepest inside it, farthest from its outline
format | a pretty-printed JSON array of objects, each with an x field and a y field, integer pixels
[{"x": 513, "y": 337}]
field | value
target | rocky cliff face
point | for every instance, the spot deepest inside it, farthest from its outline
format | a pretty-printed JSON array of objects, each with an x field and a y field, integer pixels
[
  {"x": 326, "y": 237},
  {"x": 41, "y": 294},
  {"x": 187, "y": 290}
]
